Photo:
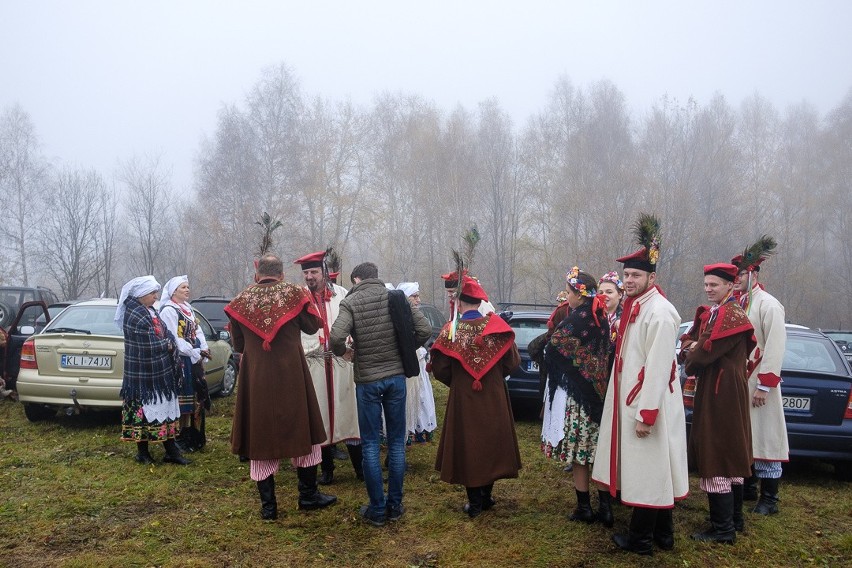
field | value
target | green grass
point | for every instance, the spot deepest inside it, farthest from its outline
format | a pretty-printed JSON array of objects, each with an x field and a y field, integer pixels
[{"x": 73, "y": 496}]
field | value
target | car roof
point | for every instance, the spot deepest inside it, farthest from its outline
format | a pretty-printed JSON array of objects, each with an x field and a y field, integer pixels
[{"x": 98, "y": 302}]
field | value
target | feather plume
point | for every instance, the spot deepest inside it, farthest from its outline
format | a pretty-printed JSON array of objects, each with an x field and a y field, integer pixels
[
  {"x": 471, "y": 238},
  {"x": 269, "y": 225},
  {"x": 646, "y": 231},
  {"x": 758, "y": 252},
  {"x": 332, "y": 259}
]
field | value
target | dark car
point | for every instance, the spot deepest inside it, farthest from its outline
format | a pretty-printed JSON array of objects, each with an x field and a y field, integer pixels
[
  {"x": 13, "y": 297},
  {"x": 524, "y": 382},
  {"x": 843, "y": 339},
  {"x": 23, "y": 325},
  {"x": 436, "y": 318},
  {"x": 816, "y": 391},
  {"x": 213, "y": 309}
]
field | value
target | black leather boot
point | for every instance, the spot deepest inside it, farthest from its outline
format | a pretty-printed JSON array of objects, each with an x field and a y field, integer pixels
[
  {"x": 356, "y": 456},
  {"x": 750, "y": 488},
  {"x": 173, "y": 454},
  {"x": 327, "y": 466},
  {"x": 488, "y": 501},
  {"x": 768, "y": 502},
  {"x": 268, "y": 504},
  {"x": 309, "y": 496},
  {"x": 583, "y": 512},
  {"x": 142, "y": 454},
  {"x": 664, "y": 529},
  {"x": 473, "y": 508},
  {"x": 721, "y": 520},
  {"x": 605, "y": 509},
  {"x": 639, "y": 538},
  {"x": 739, "y": 520}
]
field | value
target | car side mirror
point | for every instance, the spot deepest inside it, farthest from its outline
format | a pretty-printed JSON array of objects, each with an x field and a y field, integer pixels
[
  {"x": 26, "y": 330},
  {"x": 224, "y": 336}
]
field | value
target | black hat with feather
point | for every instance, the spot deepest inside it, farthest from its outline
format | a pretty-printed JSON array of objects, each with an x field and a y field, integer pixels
[
  {"x": 647, "y": 234},
  {"x": 753, "y": 255}
]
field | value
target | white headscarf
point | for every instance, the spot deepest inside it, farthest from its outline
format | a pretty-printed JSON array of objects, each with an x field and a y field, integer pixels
[
  {"x": 171, "y": 286},
  {"x": 410, "y": 288},
  {"x": 136, "y": 288}
]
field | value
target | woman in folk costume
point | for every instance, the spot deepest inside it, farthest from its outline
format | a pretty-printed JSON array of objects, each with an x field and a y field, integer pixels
[
  {"x": 478, "y": 444},
  {"x": 420, "y": 401},
  {"x": 179, "y": 319},
  {"x": 612, "y": 290},
  {"x": 149, "y": 388},
  {"x": 577, "y": 358}
]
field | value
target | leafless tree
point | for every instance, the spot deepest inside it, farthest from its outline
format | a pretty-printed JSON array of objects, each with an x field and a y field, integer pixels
[
  {"x": 74, "y": 211},
  {"x": 149, "y": 211},
  {"x": 23, "y": 173},
  {"x": 106, "y": 243}
]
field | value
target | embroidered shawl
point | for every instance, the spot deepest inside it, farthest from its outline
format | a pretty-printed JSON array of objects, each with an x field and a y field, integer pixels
[
  {"x": 478, "y": 344},
  {"x": 150, "y": 368},
  {"x": 264, "y": 308}
]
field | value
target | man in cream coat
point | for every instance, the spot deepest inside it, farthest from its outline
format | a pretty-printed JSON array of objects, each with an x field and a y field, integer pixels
[
  {"x": 642, "y": 442},
  {"x": 768, "y": 427},
  {"x": 332, "y": 376}
]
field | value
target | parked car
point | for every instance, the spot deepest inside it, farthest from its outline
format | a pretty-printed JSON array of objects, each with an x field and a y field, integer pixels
[
  {"x": 23, "y": 326},
  {"x": 13, "y": 297},
  {"x": 816, "y": 391},
  {"x": 213, "y": 308},
  {"x": 524, "y": 382},
  {"x": 77, "y": 362},
  {"x": 843, "y": 339},
  {"x": 436, "y": 318}
]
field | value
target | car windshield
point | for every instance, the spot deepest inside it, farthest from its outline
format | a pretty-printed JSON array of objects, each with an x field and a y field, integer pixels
[
  {"x": 527, "y": 330},
  {"x": 96, "y": 320},
  {"x": 841, "y": 337},
  {"x": 212, "y": 310},
  {"x": 811, "y": 354}
]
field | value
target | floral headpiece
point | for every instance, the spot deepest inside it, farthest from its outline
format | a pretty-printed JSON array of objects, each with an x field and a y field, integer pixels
[
  {"x": 612, "y": 278},
  {"x": 573, "y": 280}
]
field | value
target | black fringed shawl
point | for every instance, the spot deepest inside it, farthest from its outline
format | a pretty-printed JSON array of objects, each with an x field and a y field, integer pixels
[
  {"x": 577, "y": 358},
  {"x": 149, "y": 365}
]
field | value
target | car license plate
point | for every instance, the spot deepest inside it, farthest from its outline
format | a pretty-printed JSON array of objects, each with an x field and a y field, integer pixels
[
  {"x": 87, "y": 361},
  {"x": 532, "y": 367},
  {"x": 796, "y": 402}
]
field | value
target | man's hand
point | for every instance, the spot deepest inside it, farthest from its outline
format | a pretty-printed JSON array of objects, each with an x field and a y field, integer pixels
[
  {"x": 642, "y": 430},
  {"x": 349, "y": 355},
  {"x": 759, "y": 398}
]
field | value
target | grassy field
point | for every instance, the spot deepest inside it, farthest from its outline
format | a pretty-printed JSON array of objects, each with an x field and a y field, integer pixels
[{"x": 73, "y": 496}]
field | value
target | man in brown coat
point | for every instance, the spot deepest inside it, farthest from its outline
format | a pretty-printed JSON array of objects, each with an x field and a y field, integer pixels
[
  {"x": 277, "y": 415},
  {"x": 716, "y": 352},
  {"x": 478, "y": 442}
]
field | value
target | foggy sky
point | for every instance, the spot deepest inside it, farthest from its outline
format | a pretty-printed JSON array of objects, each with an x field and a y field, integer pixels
[{"x": 106, "y": 80}]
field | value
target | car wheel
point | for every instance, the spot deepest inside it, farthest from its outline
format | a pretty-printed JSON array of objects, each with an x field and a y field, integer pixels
[
  {"x": 843, "y": 470},
  {"x": 6, "y": 315},
  {"x": 229, "y": 380},
  {"x": 38, "y": 412}
]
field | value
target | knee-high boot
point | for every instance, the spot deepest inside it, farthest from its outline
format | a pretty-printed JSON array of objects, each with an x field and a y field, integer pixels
[
  {"x": 488, "y": 501},
  {"x": 739, "y": 520},
  {"x": 173, "y": 454},
  {"x": 474, "y": 501},
  {"x": 768, "y": 502},
  {"x": 142, "y": 454},
  {"x": 605, "y": 509},
  {"x": 750, "y": 487},
  {"x": 664, "y": 529},
  {"x": 309, "y": 496},
  {"x": 640, "y": 536},
  {"x": 327, "y": 466},
  {"x": 356, "y": 456},
  {"x": 721, "y": 519},
  {"x": 583, "y": 512},
  {"x": 268, "y": 504}
]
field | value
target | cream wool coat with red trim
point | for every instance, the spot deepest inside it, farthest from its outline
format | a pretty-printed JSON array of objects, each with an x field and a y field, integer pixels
[
  {"x": 768, "y": 428},
  {"x": 337, "y": 402},
  {"x": 652, "y": 471}
]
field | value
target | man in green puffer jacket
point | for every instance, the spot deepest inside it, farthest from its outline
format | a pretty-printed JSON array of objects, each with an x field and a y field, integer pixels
[{"x": 365, "y": 316}]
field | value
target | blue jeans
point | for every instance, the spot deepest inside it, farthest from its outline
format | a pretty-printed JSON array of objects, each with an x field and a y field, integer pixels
[{"x": 388, "y": 395}]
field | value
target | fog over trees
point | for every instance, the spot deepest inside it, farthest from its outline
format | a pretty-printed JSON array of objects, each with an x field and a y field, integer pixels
[{"x": 399, "y": 182}]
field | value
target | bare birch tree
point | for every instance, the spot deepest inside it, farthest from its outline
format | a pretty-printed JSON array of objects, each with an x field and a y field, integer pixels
[{"x": 149, "y": 212}]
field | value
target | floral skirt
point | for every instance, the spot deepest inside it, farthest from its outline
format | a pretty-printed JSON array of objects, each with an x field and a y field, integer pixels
[
  {"x": 581, "y": 437},
  {"x": 135, "y": 428}
]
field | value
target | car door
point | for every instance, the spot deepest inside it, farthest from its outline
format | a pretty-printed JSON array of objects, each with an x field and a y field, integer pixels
[
  {"x": 23, "y": 326},
  {"x": 220, "y": 352}
]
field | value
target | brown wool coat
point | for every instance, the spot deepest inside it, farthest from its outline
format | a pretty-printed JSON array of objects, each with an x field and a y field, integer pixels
[
  {"x": 277, "y": 414},
  {"x": 720, "y": 437},
  {"x": 478, "y": 442}
]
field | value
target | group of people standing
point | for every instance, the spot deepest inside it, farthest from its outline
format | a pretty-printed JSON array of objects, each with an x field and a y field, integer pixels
[
  {"x": 322, "y": 365},
  {"x": 613, "y": 406}
]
